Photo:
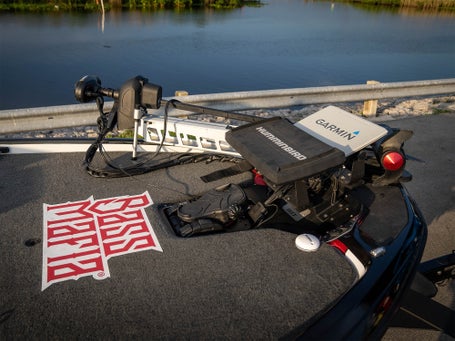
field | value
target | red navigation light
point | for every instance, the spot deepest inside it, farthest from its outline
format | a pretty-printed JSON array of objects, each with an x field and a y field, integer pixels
[
  {"x": 392, "y": 161},
  {"x": 339, "y": 245}
]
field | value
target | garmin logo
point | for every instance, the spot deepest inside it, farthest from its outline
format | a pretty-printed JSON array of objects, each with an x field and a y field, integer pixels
[
  {"x": 337, "y": 130},
  {"x": 281, "y": 144}
]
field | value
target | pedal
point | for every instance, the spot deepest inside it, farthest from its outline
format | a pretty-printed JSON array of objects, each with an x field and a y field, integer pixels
[
  {"x": 198, "y": 227},
  {"x": 221, "y": 204}
]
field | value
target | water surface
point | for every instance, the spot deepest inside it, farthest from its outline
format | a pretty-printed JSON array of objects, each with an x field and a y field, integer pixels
[{"x": 284, "y": 44}]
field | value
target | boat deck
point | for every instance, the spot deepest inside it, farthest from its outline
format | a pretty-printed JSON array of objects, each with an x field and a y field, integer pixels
[{"x": 250, "y": 284}]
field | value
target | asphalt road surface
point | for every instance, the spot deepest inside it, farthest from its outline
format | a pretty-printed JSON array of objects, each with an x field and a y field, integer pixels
[{"x": 432, "y": 164}]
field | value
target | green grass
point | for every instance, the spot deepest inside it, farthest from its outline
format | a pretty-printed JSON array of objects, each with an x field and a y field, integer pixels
[
  {"x": 435, "y": 5},
  {"x": 438, "y": 111},
  {"x": 124, "y": 134}
]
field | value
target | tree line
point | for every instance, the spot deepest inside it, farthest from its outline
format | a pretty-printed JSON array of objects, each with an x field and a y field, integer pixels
[{"x": 91, "y": 5}]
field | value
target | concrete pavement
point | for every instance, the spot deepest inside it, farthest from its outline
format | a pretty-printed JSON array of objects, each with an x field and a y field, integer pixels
[{"x": 432, "y": 164}]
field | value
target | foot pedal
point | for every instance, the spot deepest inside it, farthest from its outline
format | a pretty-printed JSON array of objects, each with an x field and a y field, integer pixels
[
  {"x": 222, "y": 204},
  {"x": 198, "y": 227}
]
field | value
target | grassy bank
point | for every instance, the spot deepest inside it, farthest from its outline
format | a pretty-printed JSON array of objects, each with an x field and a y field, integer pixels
[
  {"x": 433, "y": 5},
  {"x": 92, "y": 5}
]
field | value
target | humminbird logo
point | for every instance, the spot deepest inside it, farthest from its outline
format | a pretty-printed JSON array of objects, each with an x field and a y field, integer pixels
[
  {"x": 281, "y": 144},
  {"x": 337, "y": 130}
]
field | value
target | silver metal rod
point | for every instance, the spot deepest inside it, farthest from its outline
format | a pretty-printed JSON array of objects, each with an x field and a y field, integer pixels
[{"x": 137, "y": 117}]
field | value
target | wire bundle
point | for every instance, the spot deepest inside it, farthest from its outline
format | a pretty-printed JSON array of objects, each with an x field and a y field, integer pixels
[{"x": 107, "y": 121}]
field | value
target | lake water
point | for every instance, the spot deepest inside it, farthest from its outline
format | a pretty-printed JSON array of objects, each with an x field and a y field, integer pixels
[{"x": 283, "y": 44}]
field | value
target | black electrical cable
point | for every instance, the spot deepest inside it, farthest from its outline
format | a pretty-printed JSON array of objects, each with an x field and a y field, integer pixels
[
  {"x": 118, "y": 171},
  {"x": 214, "y": 112},
  {"x": 135, "y": 166}
]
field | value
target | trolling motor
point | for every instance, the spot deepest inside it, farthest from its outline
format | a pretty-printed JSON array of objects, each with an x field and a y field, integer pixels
[{"x": 133, "y": 99}]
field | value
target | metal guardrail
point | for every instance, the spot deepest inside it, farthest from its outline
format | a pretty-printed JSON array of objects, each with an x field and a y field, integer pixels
[{"x": 48, "y": 118}]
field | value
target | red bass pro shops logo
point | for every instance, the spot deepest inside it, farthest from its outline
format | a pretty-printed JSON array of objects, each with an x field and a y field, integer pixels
[{"x": 79, "y": 237}]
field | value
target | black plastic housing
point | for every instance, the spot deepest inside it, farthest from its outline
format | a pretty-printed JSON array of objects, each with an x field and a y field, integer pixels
[
  {"x": 129, "y": 99},
  {"x": 151, "y": 96},
  {"x": 135, "y": 93},
  {"x": 86, "y": 89},
  {"x": 282, "y": 152}
]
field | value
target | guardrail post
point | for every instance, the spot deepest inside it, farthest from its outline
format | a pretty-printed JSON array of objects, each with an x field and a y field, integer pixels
[
  {"x": 370, "y": 107},
  {"x": 181, "y": 93}
]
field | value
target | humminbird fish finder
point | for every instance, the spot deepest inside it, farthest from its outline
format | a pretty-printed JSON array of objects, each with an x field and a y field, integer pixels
[{"x": 281, "y": 151}]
